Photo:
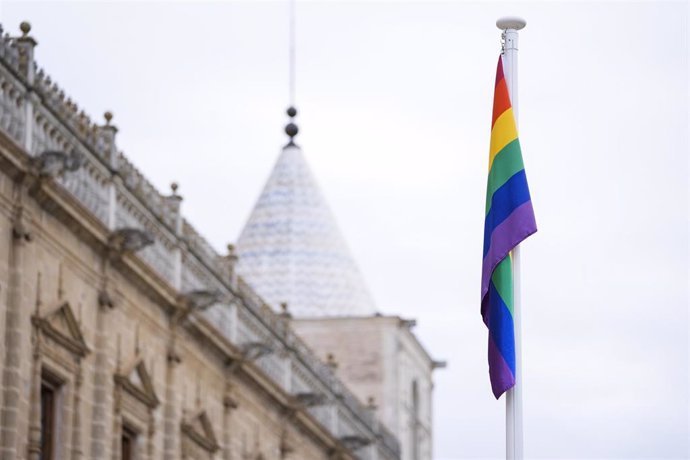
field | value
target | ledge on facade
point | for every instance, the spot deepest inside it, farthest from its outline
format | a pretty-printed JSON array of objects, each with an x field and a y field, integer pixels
[{"x": 405, "y": 324}]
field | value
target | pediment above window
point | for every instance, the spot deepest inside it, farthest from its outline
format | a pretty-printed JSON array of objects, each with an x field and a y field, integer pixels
[
  {"x": 60, "y": 324},
  {"x": 198, "y": 429},
  {"x": 136, "y": 380}
]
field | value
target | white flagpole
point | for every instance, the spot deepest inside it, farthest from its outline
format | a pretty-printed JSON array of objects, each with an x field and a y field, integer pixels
[{"x": 514, "y": 447}]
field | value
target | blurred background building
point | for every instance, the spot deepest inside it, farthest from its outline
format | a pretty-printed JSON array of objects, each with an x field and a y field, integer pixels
[
  {"x": 126, "y": 335},
  {"x": 292, "y": 253}
]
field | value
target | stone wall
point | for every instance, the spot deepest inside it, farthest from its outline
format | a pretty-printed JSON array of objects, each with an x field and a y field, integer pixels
[{"x": 381, "y": 360}]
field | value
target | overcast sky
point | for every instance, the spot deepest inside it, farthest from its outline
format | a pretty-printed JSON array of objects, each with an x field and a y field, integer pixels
[{"x": 395, "y": 101}]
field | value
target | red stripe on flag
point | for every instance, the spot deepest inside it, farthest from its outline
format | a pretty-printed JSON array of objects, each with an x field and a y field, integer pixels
[
  {"x": 501, "y": 101},
  {"x": 499, "y": 70}
]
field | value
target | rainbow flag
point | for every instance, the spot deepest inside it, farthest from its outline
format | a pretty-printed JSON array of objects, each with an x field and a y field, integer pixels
[{"x": 509, "y": 220}]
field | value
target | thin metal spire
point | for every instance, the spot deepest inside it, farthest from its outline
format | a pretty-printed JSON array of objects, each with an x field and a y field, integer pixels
[
  {"x": 292, "y": 42},
  {"x": 291, "y": 128}
]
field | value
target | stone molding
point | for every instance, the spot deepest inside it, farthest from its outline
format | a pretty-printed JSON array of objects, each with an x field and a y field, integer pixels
[
  {"x": 144, "y": 392},
  {"x": 60, "y": 324},
  {"x": 199, "y": 429}
]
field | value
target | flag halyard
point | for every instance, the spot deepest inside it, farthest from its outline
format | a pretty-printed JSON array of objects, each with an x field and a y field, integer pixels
[{"x": 508, "y": 221}]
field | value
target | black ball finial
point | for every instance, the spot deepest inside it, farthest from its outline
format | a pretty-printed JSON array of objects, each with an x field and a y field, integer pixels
[{"x": 291, "y": 130}]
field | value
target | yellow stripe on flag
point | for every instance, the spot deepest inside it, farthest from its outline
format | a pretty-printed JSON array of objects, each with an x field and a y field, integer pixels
[{"x": 503, "y": 133}]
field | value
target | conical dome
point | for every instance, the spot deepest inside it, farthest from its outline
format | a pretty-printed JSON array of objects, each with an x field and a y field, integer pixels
[{"x": 291, "y": 249}]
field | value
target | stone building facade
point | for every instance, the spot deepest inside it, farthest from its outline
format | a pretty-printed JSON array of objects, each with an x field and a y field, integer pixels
[
  {"x": 382, "y": 362},
  {"x": 124, "y": 334}
]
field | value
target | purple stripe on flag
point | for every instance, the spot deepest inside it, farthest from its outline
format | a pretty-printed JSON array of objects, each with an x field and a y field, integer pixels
[
  {"x": 502, "y": 379},
  {"x": 515, "y": 228}
]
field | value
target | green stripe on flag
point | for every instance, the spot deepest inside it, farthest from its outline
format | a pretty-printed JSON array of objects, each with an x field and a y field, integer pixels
[
  {"x": 506, "y": 164},
  {"x": 502, "y": 278}
]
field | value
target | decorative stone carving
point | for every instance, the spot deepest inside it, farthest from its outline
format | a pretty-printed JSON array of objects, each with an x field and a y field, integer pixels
[
  {"x": 229, "y": 398},
  {"x": 195, "y": 300},
  {"x": 200, "y": 299},
  {"x": 25, "y": 45},
  {"x": 354, "y": 442},
  {"x": 198, "y": 429},
  {"x": 252, "y": 351},
  {"x": 174, "y": 201},
  {"x": 309, "y": 399},
  {"x": 136, "y": 381},
  {"x": 331, "y": 362},
  {"x": 231, "y": 256},
  {"x": 51, "y": 163},
  {"x": 60, "y": 324},
  {"x": 129, "y": 240},
  {"x": 285, "y": 311},
  {"x": 173, "y": 356},
  {"x": 20, "y": 230},
  {"x": 105, "y": 300}
]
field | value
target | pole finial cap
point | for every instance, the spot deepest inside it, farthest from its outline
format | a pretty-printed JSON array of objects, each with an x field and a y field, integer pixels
[{"x": 511, "y": 22}]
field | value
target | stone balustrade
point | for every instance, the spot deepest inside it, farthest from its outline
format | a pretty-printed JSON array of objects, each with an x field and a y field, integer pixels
[{"x": 39, "y": 116}]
